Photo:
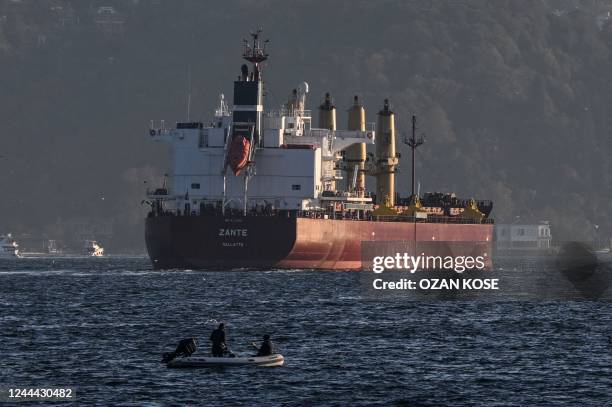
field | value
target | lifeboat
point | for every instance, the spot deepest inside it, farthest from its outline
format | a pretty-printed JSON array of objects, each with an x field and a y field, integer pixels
[{"x": 239, "y": 153}]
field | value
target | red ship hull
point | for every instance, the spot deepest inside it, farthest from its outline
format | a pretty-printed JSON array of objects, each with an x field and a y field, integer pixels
[{"x": 211, "y": 242}]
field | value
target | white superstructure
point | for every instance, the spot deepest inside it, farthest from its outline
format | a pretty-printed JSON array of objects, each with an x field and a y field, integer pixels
[
  {"x": 8, "y": 246},
  {"x": 251, "y": 159},
  {"x": 293, "y": 169}
]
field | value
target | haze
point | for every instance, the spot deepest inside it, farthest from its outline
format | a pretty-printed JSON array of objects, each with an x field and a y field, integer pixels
[{"x": 514, "y": 98}]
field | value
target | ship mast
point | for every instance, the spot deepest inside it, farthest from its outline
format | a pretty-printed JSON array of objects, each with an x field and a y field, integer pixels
[
  {"x": 255, "y": 53},
  {"x": 248, "y": 111},
  {"x": 413, "y": 143}
]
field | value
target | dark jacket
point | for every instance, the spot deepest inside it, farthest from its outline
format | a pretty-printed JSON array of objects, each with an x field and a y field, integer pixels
[
  {"x": 218, "y": 338},
  {"x": 266, "y": 348}
]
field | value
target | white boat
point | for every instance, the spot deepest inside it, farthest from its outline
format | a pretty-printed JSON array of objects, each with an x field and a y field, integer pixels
[
  {"x": 8, "y": 246},
  {"x": 93, "y": 248},
  {"x": 52, "y": 247},
  {"x": 198, "y": 361}
]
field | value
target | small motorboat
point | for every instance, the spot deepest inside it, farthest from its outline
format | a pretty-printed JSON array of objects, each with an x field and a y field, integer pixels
[
  {"x": 198, "y": 361},
  {"x": 9, "y": 246},
  {"x": 182, "y": 358},
  {"x": 93, "y": 249}
]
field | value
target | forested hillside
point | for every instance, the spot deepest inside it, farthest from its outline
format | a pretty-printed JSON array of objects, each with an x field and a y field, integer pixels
[{"x": 515, "y": 98}]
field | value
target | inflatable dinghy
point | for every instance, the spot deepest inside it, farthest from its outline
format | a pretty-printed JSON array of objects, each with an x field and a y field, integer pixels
[{"x": 196, "y": 361}]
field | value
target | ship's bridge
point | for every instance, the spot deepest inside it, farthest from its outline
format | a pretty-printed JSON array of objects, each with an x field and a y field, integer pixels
[{"x": 291, "y": 121}]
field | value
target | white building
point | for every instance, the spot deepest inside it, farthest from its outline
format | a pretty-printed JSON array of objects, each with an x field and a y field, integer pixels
[{"x": 523, "y": 236}]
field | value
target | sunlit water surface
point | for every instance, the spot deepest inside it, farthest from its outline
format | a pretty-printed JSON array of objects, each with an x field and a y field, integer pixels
[{"x": 101, "y": 326}]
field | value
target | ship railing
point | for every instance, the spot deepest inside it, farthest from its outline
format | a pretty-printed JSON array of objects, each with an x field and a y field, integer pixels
[
  {"x": 410, "y": 219},
  {"x": 433, "y": 219},
  {"x": 319, "y": 133},
  {"x": 212, "y": 209},
  {"x": 161, "y": 196},
  {"x": 288, "y": 113},
  {"x": 158, "y": 128},
  {"x": 157, "y": 124}
]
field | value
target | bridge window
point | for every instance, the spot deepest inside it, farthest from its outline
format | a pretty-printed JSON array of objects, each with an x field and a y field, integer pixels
[
  {"x": 195, "y": 186},
  {"x": 296, "y": 187}
]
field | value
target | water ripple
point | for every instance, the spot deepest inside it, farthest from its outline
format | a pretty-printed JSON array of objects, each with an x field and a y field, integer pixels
[{"x": 101, "y": 325}]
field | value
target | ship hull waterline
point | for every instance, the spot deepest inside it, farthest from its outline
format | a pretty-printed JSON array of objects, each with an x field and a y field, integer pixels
[{"x": 219, "y": 242}]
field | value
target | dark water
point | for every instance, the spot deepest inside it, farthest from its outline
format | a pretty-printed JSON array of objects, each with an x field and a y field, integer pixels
[{"x": 100, "y": 325}]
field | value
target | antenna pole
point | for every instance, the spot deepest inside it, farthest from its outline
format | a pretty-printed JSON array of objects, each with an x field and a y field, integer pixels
[
  {"x": 189, "y": 93},
  {"x": 413, "y": 148},
  {"x": 413, "y": 143}
]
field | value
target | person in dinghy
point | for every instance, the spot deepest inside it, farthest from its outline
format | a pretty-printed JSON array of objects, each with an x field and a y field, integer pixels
[
  {"x": 266, "y": 348},
  {"x": 219, "y": 347}
]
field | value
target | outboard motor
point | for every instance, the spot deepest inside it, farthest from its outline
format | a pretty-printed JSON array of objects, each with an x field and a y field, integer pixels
[{"x": 185, "y": 347}]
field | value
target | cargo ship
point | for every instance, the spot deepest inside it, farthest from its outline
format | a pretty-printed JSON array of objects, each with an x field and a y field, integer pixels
[{"x": 268, "y": 188}]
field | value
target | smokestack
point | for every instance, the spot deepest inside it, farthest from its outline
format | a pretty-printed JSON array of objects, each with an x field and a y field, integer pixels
[
  {"x": 386, "y": 160},
  {"x": 356, "y": 154},
  {"x": 327, "y": 114},
  {"x": 327, "y": 120}
]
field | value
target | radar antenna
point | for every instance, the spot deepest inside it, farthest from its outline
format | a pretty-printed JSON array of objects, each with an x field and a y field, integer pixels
[{"x": 254, "y": 52}]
